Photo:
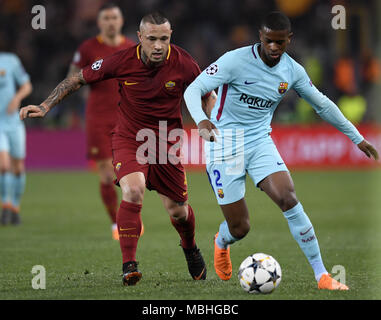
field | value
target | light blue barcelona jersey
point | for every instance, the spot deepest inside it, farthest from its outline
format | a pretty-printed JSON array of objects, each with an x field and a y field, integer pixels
[
  {"x": 249, "y": 92},
  {"x": 12, "y": 75}
]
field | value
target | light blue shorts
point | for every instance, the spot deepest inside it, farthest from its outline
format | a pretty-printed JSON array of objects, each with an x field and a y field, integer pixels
[
  {"x": 13, "y": 141},
  {"x": 228, "y": 178}
]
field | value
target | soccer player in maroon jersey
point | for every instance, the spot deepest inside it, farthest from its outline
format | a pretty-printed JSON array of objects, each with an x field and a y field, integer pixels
[
  {"x": 103, "y": 99},
  {"x": 152, "y": 77}
]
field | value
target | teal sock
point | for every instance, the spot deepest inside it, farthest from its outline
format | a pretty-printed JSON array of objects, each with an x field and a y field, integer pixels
[
  {"x": 224, "y": 238},
  {"x": 18, "y": 189},
  {"x": 304, "y": 234},
  {"x": 7, "y": 188},
  {"x": 1, "y": 186}
]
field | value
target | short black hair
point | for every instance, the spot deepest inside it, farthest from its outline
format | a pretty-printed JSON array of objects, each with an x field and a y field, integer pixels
[
  {"x": 108, "y": 5},
  {"x": 276, "y": 20},
  {"x": 154, "y": 18}
]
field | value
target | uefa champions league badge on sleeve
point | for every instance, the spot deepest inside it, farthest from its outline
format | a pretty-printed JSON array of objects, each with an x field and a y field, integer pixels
[
  {"x": 212, "y": 70},
  {"x": 97, "y": 65}
]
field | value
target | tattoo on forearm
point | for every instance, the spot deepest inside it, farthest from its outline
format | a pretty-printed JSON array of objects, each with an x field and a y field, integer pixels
[
  {"x": 42, "y": 108},
  {"x": 65, "y": 88}
]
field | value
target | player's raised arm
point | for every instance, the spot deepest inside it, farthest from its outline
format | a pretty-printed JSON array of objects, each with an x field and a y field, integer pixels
[{"x": 65, "y": 88}]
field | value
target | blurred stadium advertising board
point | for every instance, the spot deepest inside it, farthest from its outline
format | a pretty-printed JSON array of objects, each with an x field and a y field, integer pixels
[{"x": 304, "y": 147}]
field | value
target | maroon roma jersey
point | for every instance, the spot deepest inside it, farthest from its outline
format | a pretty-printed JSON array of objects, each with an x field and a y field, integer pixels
[
  {"x": 148, "y": 94},
  {"x": 103, "y": 97}
]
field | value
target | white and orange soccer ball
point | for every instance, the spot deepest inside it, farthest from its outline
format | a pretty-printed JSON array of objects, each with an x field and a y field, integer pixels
[{"x": 259, "y": 273}]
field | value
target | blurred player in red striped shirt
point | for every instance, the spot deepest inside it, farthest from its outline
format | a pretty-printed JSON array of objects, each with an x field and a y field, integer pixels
[
  {"x": 152, "y": 78},
  {"x": 103, "y": 99}
]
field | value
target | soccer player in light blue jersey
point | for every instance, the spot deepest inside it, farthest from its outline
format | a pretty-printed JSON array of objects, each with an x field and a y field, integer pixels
[
  {"x": 15, "y": 85},
  {"x": 252, "y": 81}
]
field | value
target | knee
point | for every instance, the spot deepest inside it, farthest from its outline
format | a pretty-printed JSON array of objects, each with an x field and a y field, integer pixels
[
  {"x": 178, "y": 212},
  {"x": 134, "y": 194},
  {"x": 18, "y": 171},
  {"x": 107, "y": 179},
  {"x": 4, "y": 167},
  {"x": 106, "y": 174},
  {"x": 240, "y": 230},
  {"x": 288, "y": 201}
]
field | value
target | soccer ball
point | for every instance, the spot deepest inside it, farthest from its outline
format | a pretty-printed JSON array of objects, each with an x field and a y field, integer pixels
[{"x": 259, "y": 273}]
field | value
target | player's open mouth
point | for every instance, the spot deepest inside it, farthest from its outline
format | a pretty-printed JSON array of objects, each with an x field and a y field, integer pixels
[
  {"x": 157, "y": 55},
  {"x": 275, "y": 55}
]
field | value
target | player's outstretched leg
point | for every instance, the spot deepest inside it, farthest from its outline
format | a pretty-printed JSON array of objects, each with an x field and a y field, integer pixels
[
  {"x": 303, "y": 232},
  {"x": 280, "y": 188}
]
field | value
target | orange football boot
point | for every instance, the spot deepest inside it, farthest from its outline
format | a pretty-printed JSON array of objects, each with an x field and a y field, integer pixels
[
  {"x": 327, "y": 282},
  {"x": 222, "y": 262},
  {"x": 115, "y": 234}
]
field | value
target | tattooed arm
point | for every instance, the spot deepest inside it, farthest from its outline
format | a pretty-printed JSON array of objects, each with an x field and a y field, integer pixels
[{"x": 65, "y": 88}]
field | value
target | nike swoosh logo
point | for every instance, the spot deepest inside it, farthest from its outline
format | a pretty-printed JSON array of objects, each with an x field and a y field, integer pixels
[
  {"x": 280, "y": 163},
  {"x": 247, "y": 82},
  {"x": 128, "y": 229},
  {"x": 201, "y": 274},
  {"x": 130, "y": 83},
  {"x": 304, "y": 233},
  {"x": 226, "y": 274}
]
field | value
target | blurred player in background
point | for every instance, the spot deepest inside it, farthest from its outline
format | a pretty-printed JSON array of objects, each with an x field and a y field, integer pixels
[
  {"x": 252, "y": 81},
  {"x": 15, "y": 86},
  {"x": 103, "y": 100},
  {"x": 152, "y": 77}
]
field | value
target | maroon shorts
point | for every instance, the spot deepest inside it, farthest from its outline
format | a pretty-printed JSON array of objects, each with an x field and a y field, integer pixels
[
  {"x": 98, "y": 138},
  {"x": 167, "y": 179}
]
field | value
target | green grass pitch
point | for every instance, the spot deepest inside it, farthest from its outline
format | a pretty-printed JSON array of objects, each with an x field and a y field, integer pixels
[{"x": 66, "y": 230}]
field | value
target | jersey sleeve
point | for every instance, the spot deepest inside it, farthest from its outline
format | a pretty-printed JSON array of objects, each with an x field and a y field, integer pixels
[
  {"x": 218, "y": 73},
  {"x": 104, "y": 69},
  {"x": 19, "y": 73},
  {"x": 215, "y": 75},
  {"x": 81, "y": 57},
  {"x": 323, "y": 106},
  {"x": 193, "y": 71}
]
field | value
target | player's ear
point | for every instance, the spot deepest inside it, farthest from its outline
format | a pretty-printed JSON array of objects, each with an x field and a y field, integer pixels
[
  {"x": 139, "y": 36},
  {"x": 260, "y": 35},
  {"x": 289, "y": 37}
]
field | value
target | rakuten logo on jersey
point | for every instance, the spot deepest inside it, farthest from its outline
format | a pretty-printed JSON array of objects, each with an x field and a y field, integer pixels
[{"x": 256, "y": 103}]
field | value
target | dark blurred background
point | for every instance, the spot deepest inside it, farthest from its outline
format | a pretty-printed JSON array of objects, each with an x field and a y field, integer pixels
[{"x": 344, "y": 64}]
